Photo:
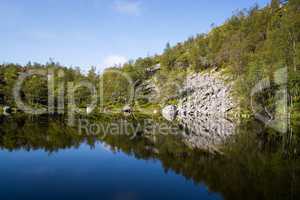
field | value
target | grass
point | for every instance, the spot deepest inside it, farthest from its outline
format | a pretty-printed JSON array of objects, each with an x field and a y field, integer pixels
[{"x": 148, "y": 109}]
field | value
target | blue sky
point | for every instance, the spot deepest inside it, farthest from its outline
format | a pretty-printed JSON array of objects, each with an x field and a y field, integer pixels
[{"x": 102, "y": 32}]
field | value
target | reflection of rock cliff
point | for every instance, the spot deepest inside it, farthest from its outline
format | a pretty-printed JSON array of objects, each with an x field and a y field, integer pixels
[
  {"x": 204, "y": 110},
  {"x": 207, "y": 132}
]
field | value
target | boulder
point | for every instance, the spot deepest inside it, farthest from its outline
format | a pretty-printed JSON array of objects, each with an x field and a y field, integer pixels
[
  {"x": 170, "y": 112},
  {"x": 152, "y": 70},
  {"x": 7, "y": 110},
  {"x": 127, "y": 109},
  {"x": 89, "y": 110}
]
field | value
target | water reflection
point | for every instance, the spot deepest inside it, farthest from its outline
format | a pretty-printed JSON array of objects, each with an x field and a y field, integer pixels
[
  {"x": 208, "y": 132},
  {"x": 253, "y": 166}
]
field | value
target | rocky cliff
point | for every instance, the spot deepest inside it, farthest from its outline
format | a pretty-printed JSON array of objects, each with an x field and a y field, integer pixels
[{"x": 206, "y": 111}]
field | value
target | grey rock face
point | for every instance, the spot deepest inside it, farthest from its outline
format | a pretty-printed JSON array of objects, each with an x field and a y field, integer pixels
[
  {"x": 210, "y": 95},
  {"x": 170, "y": 112},
  {"x": 203, "y": 112},
  {"x": 148, "y": 90}
]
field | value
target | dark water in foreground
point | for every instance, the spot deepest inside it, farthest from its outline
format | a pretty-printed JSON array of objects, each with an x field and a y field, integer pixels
[{"x": 45, "y": 159}]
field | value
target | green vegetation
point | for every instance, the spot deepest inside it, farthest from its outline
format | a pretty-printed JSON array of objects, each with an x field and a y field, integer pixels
[{"x": 250, "y": 46}]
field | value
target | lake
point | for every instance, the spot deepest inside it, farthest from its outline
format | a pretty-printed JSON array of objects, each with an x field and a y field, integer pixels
[{"x": 43, "y": 158}]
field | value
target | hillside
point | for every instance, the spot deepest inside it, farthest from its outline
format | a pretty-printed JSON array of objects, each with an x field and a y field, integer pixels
[{"x": 250, "y": 46}]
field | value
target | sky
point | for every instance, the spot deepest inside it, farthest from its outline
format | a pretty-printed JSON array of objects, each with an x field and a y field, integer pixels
[{"x": 103, "y": 33}]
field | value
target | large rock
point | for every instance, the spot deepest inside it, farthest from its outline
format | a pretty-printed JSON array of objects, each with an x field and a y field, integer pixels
[
  {"x": 170, "y": 112},
  {"x": 152, "y": 70},
  {"x": 7, "y": 110},
  {"x": 127, "y": 109}
]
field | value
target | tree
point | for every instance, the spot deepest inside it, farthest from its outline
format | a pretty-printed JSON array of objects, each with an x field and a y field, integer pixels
[
  {"x": 2, "y": 85},
  {"x": 168, "y": 58},
  {"x": 92, "y": 75},
  {"x": 275, "y": 5},
  {"x": 36, "y": 91}
]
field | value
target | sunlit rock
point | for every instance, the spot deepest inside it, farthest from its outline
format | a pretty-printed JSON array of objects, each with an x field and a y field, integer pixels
[{"x": 169, "y": 112}]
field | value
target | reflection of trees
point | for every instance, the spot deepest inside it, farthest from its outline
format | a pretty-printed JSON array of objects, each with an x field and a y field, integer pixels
[
  {"x": 251, "y": 167},
  {"x": 245, "y": 172},
  {"x": 37, "y": 133}
]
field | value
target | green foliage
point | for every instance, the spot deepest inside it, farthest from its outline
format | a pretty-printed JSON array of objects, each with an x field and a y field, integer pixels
[
  {"x": 169, "y": 84},
  {"x": 35, "y": 90},
  {"x": 115, "y": 88}
]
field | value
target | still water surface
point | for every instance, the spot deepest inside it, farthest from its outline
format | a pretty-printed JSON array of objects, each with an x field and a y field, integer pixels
[
  {"x": 85, "y": 173},
  {"x": 45, "y": 159}
]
